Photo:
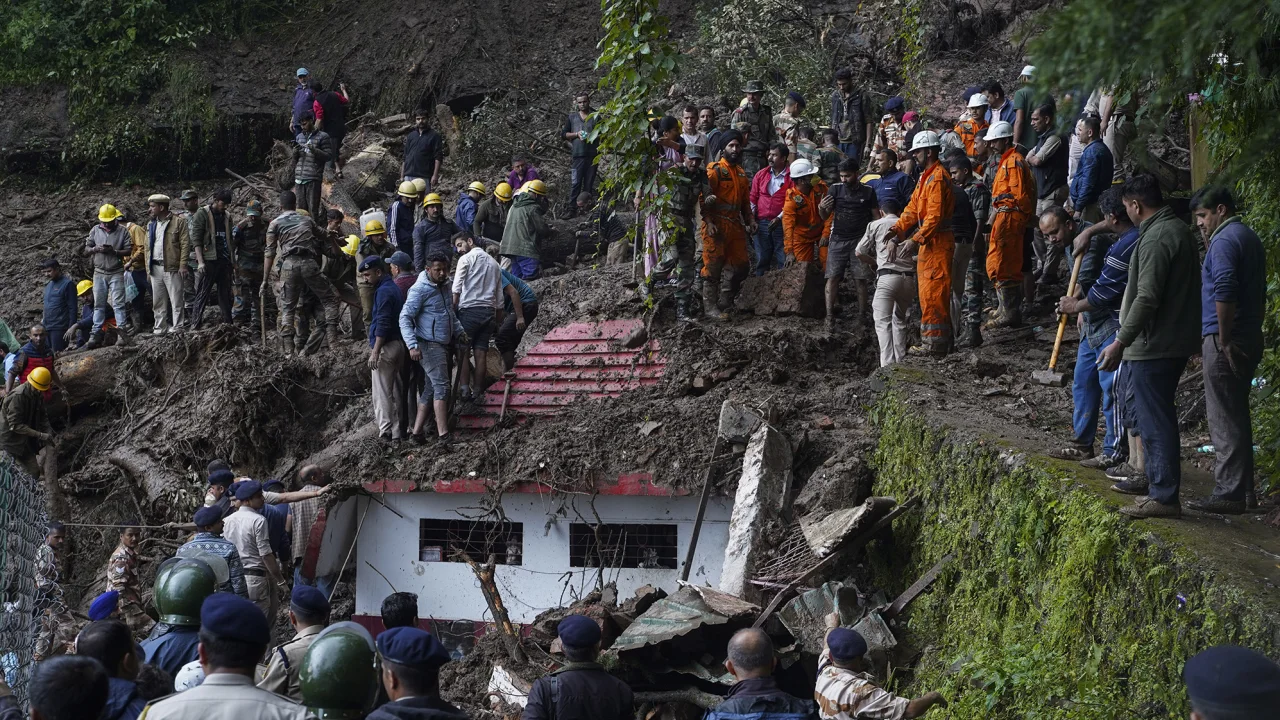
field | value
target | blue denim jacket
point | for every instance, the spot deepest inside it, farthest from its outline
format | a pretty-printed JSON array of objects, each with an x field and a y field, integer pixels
[
  {"x": 428, "y": 314},
  {"x": 1093, "y": 175}
]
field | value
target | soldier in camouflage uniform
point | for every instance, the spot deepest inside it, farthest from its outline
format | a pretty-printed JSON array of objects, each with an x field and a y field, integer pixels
[
  {"x": 686, "y": 199},
  {"x": 758, "y": 118},
  {"x": 248, "y": 239},
  {"x": 57, "y": 629},
  {"x": 299, "y": 243},
  {"x": 122, "y": 576}
]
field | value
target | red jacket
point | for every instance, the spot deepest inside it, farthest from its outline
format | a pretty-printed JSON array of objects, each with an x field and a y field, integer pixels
[{"x": 768, "y": 206}]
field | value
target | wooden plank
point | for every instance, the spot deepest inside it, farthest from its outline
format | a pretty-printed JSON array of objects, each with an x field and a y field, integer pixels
[{"x": 919, "y": 586}]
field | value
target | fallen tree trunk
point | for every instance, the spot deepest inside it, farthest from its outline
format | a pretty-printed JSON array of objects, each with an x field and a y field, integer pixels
[
  {"x": 151, "y": 476},
  {"x": 693, "y": 696}
]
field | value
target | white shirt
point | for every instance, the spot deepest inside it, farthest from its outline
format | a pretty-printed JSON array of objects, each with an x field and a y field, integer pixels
[
  {"x": 776, "y": 178},
  {"x": 477, "y": 281},
  {"x": 157, "y": 252},
  {"x": 695, "y": 139},
  {"x": 877, "y": 238}
]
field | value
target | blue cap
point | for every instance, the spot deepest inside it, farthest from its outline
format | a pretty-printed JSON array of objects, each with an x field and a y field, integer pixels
[
  {"x": 231, "y": 617},
  {"x": 796, "y": 97},
  {"x": 970, "y": 92},
  {"x": 247, "y": 489},
  {"x": 309, "y": 600},
  {"x": 1228, "y": 679},
  {"x": 272, "y": 483},
  {"x": 894, "y": 103},
  {"x": 221, "y": 477},
  {"x": 846, "y": 644},
  {"x": 302, "y": 71},
  {"x": 207, "y": 516},
  {"x": 578, "y": 631},
  {"x": 412, "y": 647},
  {"x": 103, "y": 605},
  {"x": 401, "y": 258},
  {"x": 373, "y": 261}
]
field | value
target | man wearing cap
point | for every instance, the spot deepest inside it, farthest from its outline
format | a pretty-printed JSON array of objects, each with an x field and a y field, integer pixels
[
  {"x": 59, "y": 303},
  {"x": 209, "y": 539},
  {"x": 122, "y": 576},
  {"x": 302, "y": 100},
  {"x": 577, "y": 127},
  {"x": 374, "y": 244},
  {"x": 726, "y": 224},
  {"x": 308, "y": 614},
  {"x": 1024, "y": 102},
  {"x": 851, "y": 116},
  {"x": 247, "y": 530},
  {"x": 300, "y": 243},
  {"x": 401, "y": 217},
  {"x": 433, "y": 232},
  {"x": 926, "y": 223},
  {"x": 465, "y": 214},
  {"x": 108, "y": 245},
  {"x": 423, "y": 152},
  {"x": 248, "y": 242},
  {"x": 24, "y": 424},
  {"x": 491, "y": 215},
  {"x": 526, "y": 227},
  {"x": 168, "y": 244},
  {"x": 234, "y": 634},
  {"x": 411, "y": 661},
  {"x": 973, "y": 122},
  {"x": 786, "y": 124},
  {"x": 758, "y": 118},
  {"x": 387, "y": 353},
  {"x": 1013, "y": 201},
  {"x": 892, "y": 131},
  {"x": 1232, "y": 682},
  {"x": 845, "y": 690},
  {"x": 581, "y": 688}
]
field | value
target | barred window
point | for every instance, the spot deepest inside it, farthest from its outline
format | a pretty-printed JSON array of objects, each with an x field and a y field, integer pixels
[
  {"x": 623, "y": 545},
  {"x": 442, "y": 540}
]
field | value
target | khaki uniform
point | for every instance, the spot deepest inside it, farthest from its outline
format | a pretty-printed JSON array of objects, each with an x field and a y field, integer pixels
[
  {"x": 122, "y": 576},
  {"x": 281, "y": 674},
  {"x": 224, "y": 696}
]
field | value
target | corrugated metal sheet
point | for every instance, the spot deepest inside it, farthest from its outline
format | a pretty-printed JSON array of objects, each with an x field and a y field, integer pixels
[
  {"x": 689, "y": 609},
  {"x": 572, "y": 362}
]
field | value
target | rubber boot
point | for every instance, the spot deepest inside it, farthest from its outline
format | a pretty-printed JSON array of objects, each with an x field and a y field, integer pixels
[
  {"x": 1014, "y": 305},
  {"x": 974, "y": 336},
  {"x": 997, "y": 321},
  {"x": 682, "y": 309},
  {"x": 711, "y": 296},
  {"x": 286, "y": 345},
  {"x": 334, "y": 337}
]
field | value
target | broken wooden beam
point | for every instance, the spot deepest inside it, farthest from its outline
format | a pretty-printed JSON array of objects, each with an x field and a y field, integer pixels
[{"x": 919, "y": 586}]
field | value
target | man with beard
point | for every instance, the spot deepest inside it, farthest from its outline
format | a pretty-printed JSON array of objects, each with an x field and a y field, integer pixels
[{"x": 727, "y": 222}]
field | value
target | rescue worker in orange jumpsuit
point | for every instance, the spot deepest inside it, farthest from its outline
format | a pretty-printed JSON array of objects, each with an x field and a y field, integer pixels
[
  {"x": 1013, "y": 196},
  {"x": 973, "y": 124},
  {"x": 727, "y": 223},
  {"x": 929, "y": 215},
  {"x": 804, "y": 224}
]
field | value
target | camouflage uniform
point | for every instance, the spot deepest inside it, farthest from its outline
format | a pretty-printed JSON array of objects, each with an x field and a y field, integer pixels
[
  {"x": 122, "y": 576},
  {"x": 685, "y": 201},
  {"x": 57, "y": 630},
  {"x": 759, "y": 122},
  {"x": 975, "y": 278},
  {"x": 845, "y": 694},
  {"x": 296, "y": 244},
  {"x": 248, "y": 239}
]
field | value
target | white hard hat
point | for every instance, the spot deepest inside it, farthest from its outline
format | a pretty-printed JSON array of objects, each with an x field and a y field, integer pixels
[
  {"x": 802, "y": 168},
  {"x": 999, "y": 130},
  {"x": 189, "y": 676},
  {"x": 925, "y": 139},
  {"x": 978, "y": 100},
  {"x": 1028, "y": 71}
]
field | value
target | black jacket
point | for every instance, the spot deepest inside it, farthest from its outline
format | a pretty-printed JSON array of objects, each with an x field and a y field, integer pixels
[
  {"x": 417, "y": 708},
  {"x": 762, "y": 699},
  {"x": 586, "y": 692}
]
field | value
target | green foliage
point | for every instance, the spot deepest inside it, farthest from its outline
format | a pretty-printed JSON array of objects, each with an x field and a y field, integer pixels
[
  {"x": 1226, "y": 54},
  {"x": 1055, "y": 606}
]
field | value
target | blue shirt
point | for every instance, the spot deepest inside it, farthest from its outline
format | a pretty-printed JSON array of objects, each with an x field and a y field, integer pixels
[
  {"x": 171, "y": 651},
  {"x": 277, "y": 517},
  {"x": 1234, "y": 271},
  {"x": 60, "y": 303},
  {"x": 527, "y": 296},
  {"x": 387, "y": 303},
  {"x": 896, "y": 186},
  {"x": 466, "y": 213},
  {"x": 1107, "y": 292},
  {"x": 225, "y": 549},
  {"x": 1093, "y": 175}
]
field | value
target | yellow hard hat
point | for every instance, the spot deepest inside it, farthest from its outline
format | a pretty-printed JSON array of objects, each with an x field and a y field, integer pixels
[
  {"x": 503, "y": 191},
  {"x": 84, "y": 286},
  {"x": 353, "y": 242},
  {"x": 537, "y": 187},
  {"x": 420, "y": 184},
  {"x": 304, "y": 213},
  {"x": 108, "y": 212},
  {"x": 432, "y": 199},
  {"x": 40, "y": 378},
  {"x": 478, "y": 187},
  {"x": 408, "y": 189},
  {"x": 373, "y": 227}
]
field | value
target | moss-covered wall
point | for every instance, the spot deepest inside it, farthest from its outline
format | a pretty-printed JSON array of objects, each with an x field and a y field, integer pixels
[{"x": 1055, "y": 605}]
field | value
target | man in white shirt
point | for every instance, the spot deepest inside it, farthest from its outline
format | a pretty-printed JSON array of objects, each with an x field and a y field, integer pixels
[
  {"x": 895, "y": 282},
  {"x": 689, "y": 128},
  {"x": 477, "y": 294},
  {"x": 246, "y": 528},
  {"x": 167, "y": 246}
]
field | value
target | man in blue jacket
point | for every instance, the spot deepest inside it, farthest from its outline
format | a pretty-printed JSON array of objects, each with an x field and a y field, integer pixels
[
  {"x": 428, "y": 324},
  {"x": 386, "y": 354},
  {"x": 110, "y": 643},
  {"x": 59, "y": 303},
  {"x": 1093, "y": 175},
  {"x": 756, "y": 693}
]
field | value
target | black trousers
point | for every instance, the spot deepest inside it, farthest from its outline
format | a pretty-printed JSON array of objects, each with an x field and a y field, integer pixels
[{"x": 216, "y": 273}]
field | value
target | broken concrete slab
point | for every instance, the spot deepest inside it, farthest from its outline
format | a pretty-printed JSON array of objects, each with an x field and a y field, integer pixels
[
  {"x": 737, "y": 423},
  {"x": 763, "y": 490},
  {"x": 507, "y": 687},
  {"x": 805, "y": 616},
  {"x": 795, "y": 290},
  {"x": 876, "y": 632},
  {"x": 826, "y": 531}
]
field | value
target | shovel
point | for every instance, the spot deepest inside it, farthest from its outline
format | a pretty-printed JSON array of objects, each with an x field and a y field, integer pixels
[{"x": 1052, "y": 377}]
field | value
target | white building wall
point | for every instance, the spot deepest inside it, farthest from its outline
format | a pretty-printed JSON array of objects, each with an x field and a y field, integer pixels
[{"x": 449, "y": 590}]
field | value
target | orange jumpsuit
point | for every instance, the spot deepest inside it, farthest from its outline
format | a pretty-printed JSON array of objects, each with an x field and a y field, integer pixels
[
  {"x": 1013, "y": 194},
  {"x": 969, "y": 130},
  {"x": 724, "y": 238},
  {"x": 929, "y": 211},
  {"x": 802, "y": 224}
]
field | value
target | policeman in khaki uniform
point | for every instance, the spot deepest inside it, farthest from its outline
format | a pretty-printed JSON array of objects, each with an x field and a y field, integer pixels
[
  {"x": 308, "y": 613},
  {"x": 234, "y": 634}
]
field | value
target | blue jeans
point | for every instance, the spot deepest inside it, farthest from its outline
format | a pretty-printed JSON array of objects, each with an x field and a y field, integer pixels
[
  {"x": 108, "y": 295},
  {"x": 768, "y": 246},
  {"x": 1091, "y": 392},
  {"x": 323, "y": 584},
  {"x": 1153, "y": 385}
]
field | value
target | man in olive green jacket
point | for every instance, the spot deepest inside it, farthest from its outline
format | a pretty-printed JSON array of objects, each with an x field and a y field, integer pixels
[
  {"x": 525, "y": 228},
  {"x": 1159, "y": 331}
]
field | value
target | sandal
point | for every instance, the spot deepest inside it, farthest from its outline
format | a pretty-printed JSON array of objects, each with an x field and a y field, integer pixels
[{"x": 1072, "y": 452}]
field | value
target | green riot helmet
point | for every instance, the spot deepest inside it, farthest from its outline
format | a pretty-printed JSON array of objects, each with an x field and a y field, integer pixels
[
  {"x": 339, "y": 675},
  {"x": 181, "y": 586}
]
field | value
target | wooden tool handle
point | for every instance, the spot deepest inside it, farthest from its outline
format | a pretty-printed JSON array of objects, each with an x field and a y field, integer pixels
[{"x": 1062, "y": 321}]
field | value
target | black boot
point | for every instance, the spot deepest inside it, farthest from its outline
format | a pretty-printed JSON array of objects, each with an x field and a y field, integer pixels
[{"x": 974, "y": 336}]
